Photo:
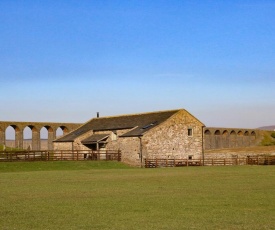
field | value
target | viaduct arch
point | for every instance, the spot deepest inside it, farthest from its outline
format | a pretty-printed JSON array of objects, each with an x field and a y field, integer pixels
[
  {"x": 35, "y": 128},
  {"x": 218, "y": 138}
]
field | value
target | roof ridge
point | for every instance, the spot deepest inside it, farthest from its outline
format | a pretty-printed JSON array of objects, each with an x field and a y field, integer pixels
[{"x": 137, "y": 114}]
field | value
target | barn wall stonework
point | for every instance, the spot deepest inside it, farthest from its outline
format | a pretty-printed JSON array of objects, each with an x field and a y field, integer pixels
[
  {"x": 129, "y": 146},
  {"x": 171, "y": 140},
  {"x": 130, "y": 150},
  {"x": 63, "y": 146},
  {"x": 77, "y": 145}
]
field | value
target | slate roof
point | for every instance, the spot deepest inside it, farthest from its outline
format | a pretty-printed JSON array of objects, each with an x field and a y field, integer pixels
[
  {"x": 139, "y": 123},
  {"x": 95, "y": 138}
]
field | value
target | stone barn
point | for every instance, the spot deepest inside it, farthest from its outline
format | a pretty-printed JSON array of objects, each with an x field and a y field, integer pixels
[{"x": 163, "y": 134}]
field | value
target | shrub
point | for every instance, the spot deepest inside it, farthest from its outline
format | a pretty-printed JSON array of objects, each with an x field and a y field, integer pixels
[
  {"x": 273, "y": 135},
  {"x": 268, "y": 139}
]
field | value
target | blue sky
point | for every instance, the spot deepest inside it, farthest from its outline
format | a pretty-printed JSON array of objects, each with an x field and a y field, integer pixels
[{"x": 63, "y": 61}]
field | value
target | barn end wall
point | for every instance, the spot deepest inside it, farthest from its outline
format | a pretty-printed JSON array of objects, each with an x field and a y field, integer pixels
[{"x": 170, "y": 139}]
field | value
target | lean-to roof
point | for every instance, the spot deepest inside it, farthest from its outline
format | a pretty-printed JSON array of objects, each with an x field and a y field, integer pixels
[{"x": 95, "y": 138}]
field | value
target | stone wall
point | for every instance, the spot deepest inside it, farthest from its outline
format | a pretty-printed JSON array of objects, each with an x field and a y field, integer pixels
[
  {"x": 171, "y": 140},
  {"x": 63, "y": 145},
  {"x": 75, "y": 145},
  {"x": 129, "y": 146}
]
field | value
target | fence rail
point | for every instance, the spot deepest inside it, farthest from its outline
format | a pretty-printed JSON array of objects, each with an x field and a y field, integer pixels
[
  {"x": 57, "y": 155},
  {"x": 257, "y": 160}
]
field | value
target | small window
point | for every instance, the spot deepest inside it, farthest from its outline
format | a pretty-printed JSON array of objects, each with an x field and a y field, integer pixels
[
  {"x": 190, "y": 157},
  {"x": 190, "y": 132},
  {"x": 149, "y": 125}
]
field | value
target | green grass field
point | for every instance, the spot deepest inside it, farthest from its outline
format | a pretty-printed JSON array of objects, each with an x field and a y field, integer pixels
[{"x": 110, "y": 195}]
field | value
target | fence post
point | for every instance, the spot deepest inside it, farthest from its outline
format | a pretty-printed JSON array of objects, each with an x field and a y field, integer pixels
[{"x": 119, "y": 155}]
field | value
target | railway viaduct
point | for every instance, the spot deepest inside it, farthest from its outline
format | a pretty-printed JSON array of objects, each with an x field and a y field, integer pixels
[
  {"x": 218, "y": 138},
  {"x": 35, "y": 129}
]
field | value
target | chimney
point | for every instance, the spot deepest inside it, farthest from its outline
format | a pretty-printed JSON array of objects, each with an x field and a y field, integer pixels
[{"x": 97, "y": 114}]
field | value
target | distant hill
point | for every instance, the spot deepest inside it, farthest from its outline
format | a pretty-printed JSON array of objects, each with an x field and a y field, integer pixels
[{"x": 270, "y": 128}]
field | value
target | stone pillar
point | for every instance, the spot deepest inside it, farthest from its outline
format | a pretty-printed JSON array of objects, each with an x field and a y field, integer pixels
[
  {"x": 218, "y": 139},
  {"x": 65, "y": 131},
  {"x": 225, "y": 139},
  {"x": 246, "y": 141},
  {"x": 2, "y": 137},
  {"x": 18, "y": 138},
  {"x": 212, "y": 142},
  {"x": 35, "y": 139},
  {"x": 51, "y": 137},
  {"x": 232, "y": 139},
  {"x": 240, "y": 140},
  {"x": 252, "y": 139}
]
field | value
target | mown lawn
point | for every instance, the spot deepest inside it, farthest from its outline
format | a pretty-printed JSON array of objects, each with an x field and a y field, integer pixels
[{"x": 92, "y": 195}]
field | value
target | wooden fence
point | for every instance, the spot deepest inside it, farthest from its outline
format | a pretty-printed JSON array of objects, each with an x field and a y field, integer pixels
[
  {"x": 75, "y": 155},
  {"x": 255, "y": 160}
]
